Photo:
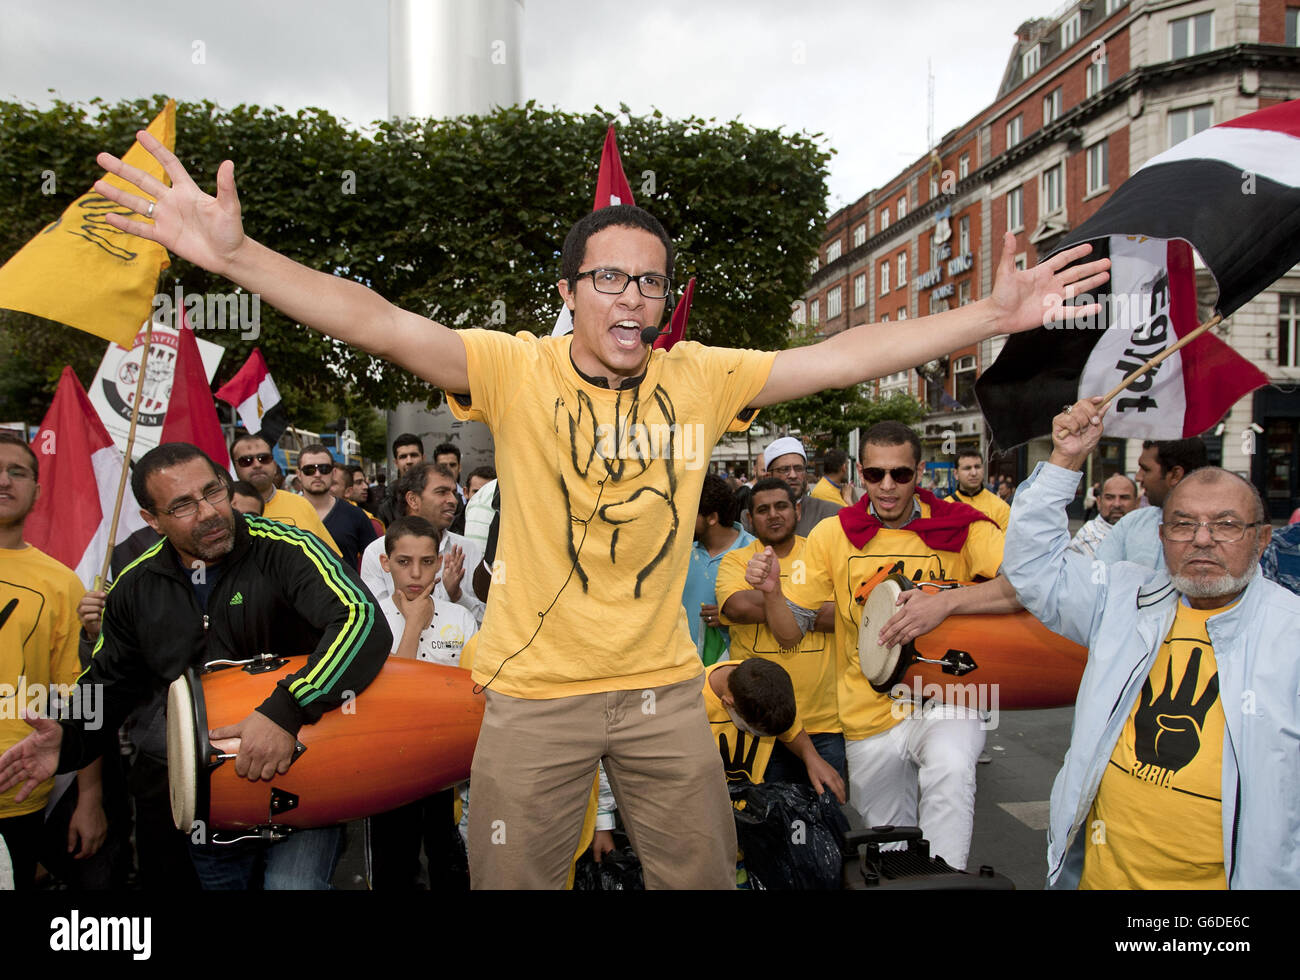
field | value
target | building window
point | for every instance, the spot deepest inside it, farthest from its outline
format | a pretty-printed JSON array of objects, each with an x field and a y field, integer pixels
[
  {"x": 963, "y": 381},
  {"x": 1291, "y": 15},
  {"x": 963, "y": 167},
  {"x": 814, "y": 312},
  {"x": 1190, "y": 35},
  {"x": 884, "y": 318},
  {"x": 832, "y": 251},
  {"x": 1114, "y": 5},
  {"x": 1052, "y": 197},
  {"x": 1015, "y": 131},
  {"x": 963, "y": 292},
  {"x": 1015, "y": 210},
  {"x": 1051, "y": 107},
  {"x": 902, "y": 269},
  {"x": 860, "y": 289},
  {"x": 934, "y": 186},
  {"x": 1070, "y": 29},
  {"x": 799, "y": 313},
  {"x": 902, "y": 314},
  {"x": 963, "y": 235},
  {"x": 1188, "y": 122},
  {"x": 884, "y": 219},
  {"x": 1029, "y": 61},
  {"x": 833, "y": 303},
  {"x": 902, "y": 208},
  {"x": 813, "y": 266},
  {"x": 1097, "y": 77},
  {"x": 884, "y": 278},
  {"x": 859, "y": 234},
  {"x": 1022, "y": 263},
  {"x": 1288, "y": 331},
  {"x": 1099, "y": 166}
]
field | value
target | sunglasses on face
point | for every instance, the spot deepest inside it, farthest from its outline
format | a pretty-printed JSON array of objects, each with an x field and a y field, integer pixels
[
  {"x": 311, "y": 469},
  {"x": 899, "y": 474},
  {"x": 248, "y": 460}
]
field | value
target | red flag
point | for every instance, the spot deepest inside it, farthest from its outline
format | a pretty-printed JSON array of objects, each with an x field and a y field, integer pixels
[
  {"x": 677, "y": 328},
  {"x": 611, "y": 184},
  {"x": 191, "y": 413},
  {"x": 79, "y": 473}
]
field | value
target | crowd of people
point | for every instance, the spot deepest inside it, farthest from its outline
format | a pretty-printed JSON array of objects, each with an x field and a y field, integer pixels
[{"x": 575, "y": 588}]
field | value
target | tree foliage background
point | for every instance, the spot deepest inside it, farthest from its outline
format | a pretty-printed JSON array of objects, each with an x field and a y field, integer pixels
[{"x": 461, "y": 220}]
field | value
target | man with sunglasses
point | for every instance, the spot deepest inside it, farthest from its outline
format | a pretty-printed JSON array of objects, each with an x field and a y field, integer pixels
[
  {"x": 254, "y": 463},
  {"x": 1181, "y": 769},
  {"x": 221, "y": 585},
  {"x": 908, "y": 765},
  {"x": 601, "y": 446},
  {"x": 347, "y": 525}
]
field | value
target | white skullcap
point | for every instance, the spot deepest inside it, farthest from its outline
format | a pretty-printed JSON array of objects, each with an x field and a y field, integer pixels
[{"x": 782, "y": 446}]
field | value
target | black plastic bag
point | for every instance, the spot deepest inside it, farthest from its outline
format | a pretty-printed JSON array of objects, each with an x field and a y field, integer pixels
[
  {"x": 791, "y": 838},
  {"x": 618, "y": 871}
]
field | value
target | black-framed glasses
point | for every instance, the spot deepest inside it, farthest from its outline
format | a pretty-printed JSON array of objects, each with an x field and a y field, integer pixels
[
  {"x": 311, "y": 469},
  {"x": 214, "y": 493},
  {"x": 899, "y": 474},
  {"x": 262, "y": 458},
  {"x": 651, "y": 285},
  {"x": 1221, "y": 532}
]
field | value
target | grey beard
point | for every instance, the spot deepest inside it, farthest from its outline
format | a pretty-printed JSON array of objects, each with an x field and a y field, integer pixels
[{"x": 1203, "y": 588}]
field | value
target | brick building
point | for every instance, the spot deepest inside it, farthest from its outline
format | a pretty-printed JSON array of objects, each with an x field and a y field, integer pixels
[{"x": 1088, "y": 95}]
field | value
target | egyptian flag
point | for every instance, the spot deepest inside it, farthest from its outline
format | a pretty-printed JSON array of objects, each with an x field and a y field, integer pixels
[
  {"x": 80, "y": 469},
  {"x": 191, "y": 413},
  {"x": 611, "y": 188},
  {"x": 256, "y": 398},
  {"x": 1232, "y": 192}
]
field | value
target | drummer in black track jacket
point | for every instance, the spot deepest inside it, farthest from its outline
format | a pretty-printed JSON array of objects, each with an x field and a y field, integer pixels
[{"x": 223, "y": 586}]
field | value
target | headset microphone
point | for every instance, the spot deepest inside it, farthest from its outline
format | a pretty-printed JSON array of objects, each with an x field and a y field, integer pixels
[{"x": 650, "y": 334}]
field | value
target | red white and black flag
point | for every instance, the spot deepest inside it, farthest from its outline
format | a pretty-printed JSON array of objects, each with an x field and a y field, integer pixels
[
  {"x": 256, "y": 398},
  {"x": 1232, "y": 192}
]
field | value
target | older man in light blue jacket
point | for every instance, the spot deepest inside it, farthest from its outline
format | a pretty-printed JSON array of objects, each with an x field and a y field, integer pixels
[{"x": 1212, "y": 535}]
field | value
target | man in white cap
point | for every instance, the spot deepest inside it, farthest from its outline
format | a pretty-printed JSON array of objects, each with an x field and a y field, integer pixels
[{"x": 785, "y": 459}]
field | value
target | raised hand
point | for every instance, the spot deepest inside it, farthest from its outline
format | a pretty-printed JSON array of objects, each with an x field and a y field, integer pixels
[
  {"x": 205, "y": 230},
  {"x": 453, "y": 570},
  {"x": 1028, "y": 298},
  {"x": 1076, "y": 432}
]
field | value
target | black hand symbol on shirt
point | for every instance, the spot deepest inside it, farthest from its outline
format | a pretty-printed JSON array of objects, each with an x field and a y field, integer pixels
[
  {"x": 741, "y": 765},
  {"x": 1168, "y": 727}
]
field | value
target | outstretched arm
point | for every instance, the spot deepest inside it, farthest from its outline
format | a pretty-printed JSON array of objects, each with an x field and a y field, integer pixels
[
  {"x": 1021, "y": 300},
  {"x": 209, "y": 232}
]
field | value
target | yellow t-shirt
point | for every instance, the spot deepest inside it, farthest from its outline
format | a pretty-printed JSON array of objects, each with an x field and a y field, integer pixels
[
  {"x": 825, "y": 490},
  {"x": 743, "y": 756},
  {"x": 834, "y": 570},
  {"x": 289, "y": 508},
  {"x": 987, "y": 503},
  {"x": 599, "y": 491},
  {"x": 38, "y": 646},
  {"x": 1157, "y": 820},
  {"x": 811, "y": 665}
]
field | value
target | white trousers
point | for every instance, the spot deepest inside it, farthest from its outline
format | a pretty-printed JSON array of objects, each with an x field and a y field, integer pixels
[{"x": 932, "y": 755}]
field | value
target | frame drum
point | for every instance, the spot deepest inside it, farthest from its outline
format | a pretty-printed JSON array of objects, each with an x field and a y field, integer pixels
[
  {"x": 1012, "y": 654},
  {"x": 409, "y": 734}
]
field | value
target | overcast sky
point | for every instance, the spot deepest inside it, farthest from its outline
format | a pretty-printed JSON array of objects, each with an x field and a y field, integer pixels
[{"x": 862, "y": 82}]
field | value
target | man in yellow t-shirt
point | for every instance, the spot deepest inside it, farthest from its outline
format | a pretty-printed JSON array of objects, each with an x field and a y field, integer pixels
[
  {"x": 39, "y": 631},
  {"x": 897, "y": 752},
  {"x": 601, "y": 446},
  {"x": 774, "y": 513},
  {"x": 834, "y": 486},
  {"x": 253, "y": 461},
  {"x": 971, "y": 490}
]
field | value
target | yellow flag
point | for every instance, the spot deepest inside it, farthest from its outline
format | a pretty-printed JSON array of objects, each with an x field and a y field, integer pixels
[{"x": 82, "y": 271}]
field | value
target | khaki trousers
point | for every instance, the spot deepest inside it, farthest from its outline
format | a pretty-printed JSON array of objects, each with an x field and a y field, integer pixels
[{"x": 532, "y": 775}]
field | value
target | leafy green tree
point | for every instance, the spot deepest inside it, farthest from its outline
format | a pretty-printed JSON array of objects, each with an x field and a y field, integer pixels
[{"x": 461, "y": 220}]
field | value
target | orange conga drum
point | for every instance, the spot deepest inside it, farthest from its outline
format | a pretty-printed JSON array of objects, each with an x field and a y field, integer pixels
[
  {"x": 410, "y": 733},
  {"x": 1031, "y": 666}
]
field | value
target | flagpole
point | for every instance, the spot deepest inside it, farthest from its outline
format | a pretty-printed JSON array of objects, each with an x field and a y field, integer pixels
[
  {"x": 126, "y": 459},
  {"x": 1157, "y": 359}
]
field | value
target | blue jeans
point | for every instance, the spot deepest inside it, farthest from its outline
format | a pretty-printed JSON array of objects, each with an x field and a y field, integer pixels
[
  {"x": 785, "y": 767},
  {"x": 304, "y": 861}
]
